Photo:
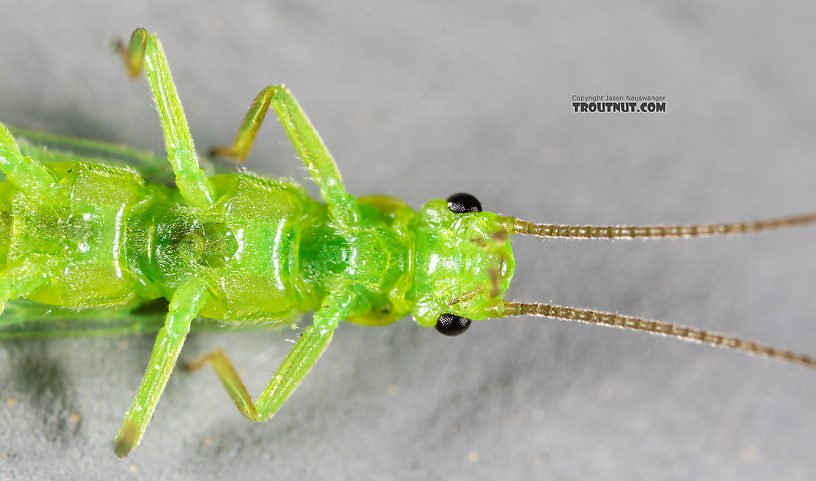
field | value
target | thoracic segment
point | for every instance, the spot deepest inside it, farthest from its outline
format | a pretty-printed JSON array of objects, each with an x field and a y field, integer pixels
[{"x": 267, "y": 250}]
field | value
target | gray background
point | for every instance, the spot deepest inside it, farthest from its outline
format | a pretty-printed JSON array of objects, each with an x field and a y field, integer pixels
[{"x": 420, "y": 100}]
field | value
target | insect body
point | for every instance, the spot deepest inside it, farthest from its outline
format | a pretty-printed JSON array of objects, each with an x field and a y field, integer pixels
[{"x": 241, "y": 248}]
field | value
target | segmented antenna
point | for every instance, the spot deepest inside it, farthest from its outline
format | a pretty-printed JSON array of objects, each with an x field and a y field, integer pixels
[
  {"x": 507, "y": 309},
  {"x": 518, "y": 226}
]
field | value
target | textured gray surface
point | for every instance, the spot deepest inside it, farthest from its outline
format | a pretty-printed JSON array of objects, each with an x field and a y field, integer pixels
[{"x": 419, "y": 100}]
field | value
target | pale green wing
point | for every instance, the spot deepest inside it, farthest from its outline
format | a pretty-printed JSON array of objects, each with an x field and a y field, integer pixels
[
  {"x": 54, "y": 148},
  {"x": 28, "y": 319}
]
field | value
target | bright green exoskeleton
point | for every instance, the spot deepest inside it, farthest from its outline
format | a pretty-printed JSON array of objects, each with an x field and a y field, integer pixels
[{"x": 87, "y": 232}]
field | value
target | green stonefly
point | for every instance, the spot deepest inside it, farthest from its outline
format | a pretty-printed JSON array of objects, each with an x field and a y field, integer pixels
[{"x": 91, "y": 237}]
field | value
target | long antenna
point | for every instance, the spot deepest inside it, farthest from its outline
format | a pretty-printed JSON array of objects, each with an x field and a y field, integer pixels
[
  {"x": 518, "y": 226},
  {"x": 506, "y": 309}
]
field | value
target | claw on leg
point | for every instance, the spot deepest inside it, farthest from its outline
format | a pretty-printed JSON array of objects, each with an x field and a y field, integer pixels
[{"x": 133, "y": 54}]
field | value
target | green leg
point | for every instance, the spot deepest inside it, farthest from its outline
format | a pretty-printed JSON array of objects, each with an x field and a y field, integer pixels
[
  {"x": 239, "y": 150},
  {"x": 307, "y": 142},
  {"x": 292, "y": 370},
  {"x": 21, "y": 280},
  {"x": 184, "y": 306},
  {"x": 146, "y": 51},
  {"x": 24, "y": 172}
]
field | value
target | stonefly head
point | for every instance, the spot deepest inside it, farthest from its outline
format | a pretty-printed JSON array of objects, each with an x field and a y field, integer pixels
[{"x": 464, "y": 264}]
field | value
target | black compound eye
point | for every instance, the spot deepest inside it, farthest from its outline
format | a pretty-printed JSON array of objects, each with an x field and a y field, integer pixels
[
  {"x": 451, "y": 325},
  {"x": 461, "y": 203}
]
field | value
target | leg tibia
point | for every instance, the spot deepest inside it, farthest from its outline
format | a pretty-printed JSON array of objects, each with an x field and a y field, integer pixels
[
  {"x": 290, "y": 373},
  {"x": 307, "y": 142},
  {"x": 187, "y": 301},
  {"x": 146, "y": 51}
]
